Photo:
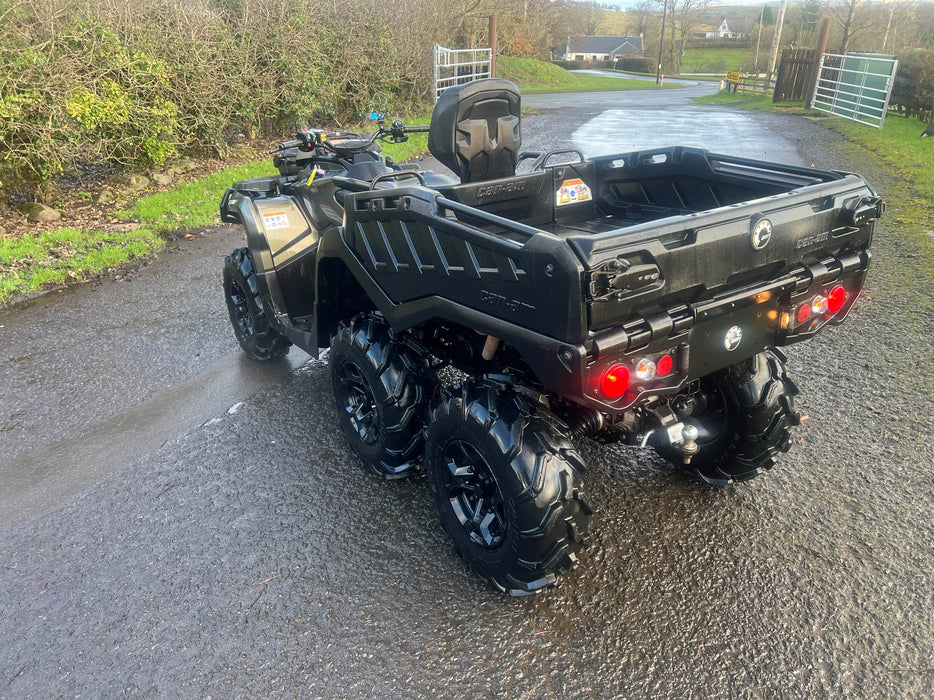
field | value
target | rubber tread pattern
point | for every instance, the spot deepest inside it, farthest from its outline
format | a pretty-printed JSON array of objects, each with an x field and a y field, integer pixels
[
  {"x": 760, "y": 399},
  {"x": 266, "y": 343},
  {"x": 402, "y": 385},
  {"x": 538, "y": 474}
]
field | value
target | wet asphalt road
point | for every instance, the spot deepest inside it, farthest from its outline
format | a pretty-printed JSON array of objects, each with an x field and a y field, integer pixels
[{"x": 177, "y": 521}]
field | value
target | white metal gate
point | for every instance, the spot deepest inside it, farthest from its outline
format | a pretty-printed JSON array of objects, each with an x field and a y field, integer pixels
[
  {"x": 458, "y": 66},
  {"x": 856, "y": 86}
]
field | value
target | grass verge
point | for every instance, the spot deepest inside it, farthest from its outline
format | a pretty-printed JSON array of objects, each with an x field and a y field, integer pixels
[
  {"x": 535, "y": 76},
  {"x": 718, "y": 60},
  {"x": 32, "y": 263}
]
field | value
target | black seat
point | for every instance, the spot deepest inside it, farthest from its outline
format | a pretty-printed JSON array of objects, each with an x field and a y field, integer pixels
[{"x": 475, "y": 129}]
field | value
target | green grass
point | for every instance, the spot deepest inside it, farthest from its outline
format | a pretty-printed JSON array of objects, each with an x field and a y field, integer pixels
[
  {"x": 743, "y": 99},
  {"x": 534, "y": 76},
  {"x": 899, "y": 146},
  {"x": 30, "y": 263},
  {"x": 415, "y": 146},
  {"x": 191, "y": 204},
  {"x": 721, "y": 60}
]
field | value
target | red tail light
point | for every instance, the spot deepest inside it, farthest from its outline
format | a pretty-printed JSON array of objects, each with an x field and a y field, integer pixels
[
  {"x": 664, "y": 365},
  {"x": 836, "y": 299},
  {"x": 615, "y": 382},
  {"x": 804, "y": 312}
]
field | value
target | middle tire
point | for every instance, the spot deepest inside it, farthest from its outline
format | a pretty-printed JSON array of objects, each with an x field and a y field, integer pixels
[
  {"x": 382, "y": 389},
  {"x": 507, "y": 485}
]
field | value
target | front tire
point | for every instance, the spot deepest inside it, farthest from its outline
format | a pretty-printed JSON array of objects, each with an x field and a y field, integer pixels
[
  {"x": 381, "y": 391},
  {"x": 744, "y": 414},
  {"x": 256, "y": 336},
  {"x": 507, "y": 486}
]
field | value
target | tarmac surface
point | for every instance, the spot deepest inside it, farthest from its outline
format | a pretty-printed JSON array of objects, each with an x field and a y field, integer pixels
[{"x": 178, "y": 521}]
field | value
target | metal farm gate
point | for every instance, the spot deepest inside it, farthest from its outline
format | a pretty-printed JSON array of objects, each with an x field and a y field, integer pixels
[
  {"x": 458, "y": 66},
  {"x": 856, "y": 86}
]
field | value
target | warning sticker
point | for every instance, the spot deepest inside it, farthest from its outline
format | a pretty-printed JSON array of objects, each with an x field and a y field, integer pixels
[
  {"x": 572, "y": 192},
  {"x": 275, "y": 219}
]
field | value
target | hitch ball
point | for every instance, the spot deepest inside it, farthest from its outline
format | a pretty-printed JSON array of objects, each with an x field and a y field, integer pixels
[{"x": 688, "y": 446}]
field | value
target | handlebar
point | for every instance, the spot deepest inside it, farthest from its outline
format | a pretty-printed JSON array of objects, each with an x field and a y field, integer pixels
[{"x": 309, "y": 139}]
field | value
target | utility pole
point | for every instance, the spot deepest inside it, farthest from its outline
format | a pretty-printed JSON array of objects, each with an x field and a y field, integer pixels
[
  {"x": 661, "y": 43},
  {"x": 815, "y": 72},
  {"x": 776, "y": 40},
  {"x": 491, "y": 39},
  {"x": 758, "y": 39}
]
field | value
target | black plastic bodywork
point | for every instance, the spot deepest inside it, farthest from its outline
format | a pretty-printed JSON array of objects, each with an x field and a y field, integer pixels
[{"x": 665, "y": 255}]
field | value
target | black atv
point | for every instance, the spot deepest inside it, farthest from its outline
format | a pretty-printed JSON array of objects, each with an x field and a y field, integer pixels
[{"x": 639, "y": 297}]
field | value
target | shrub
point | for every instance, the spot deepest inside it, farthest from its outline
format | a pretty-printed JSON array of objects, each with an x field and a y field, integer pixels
[
  {"x": 913, "y": 92},
  {"x": 138, "y": 82}
]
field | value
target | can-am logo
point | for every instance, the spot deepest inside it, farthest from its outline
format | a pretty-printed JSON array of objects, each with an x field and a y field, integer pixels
[
  {"x": 761, "y": 234},
  {"x": 733, "y": 338}
]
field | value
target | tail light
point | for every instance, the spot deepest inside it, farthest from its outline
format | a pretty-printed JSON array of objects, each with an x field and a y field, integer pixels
[
  {"x": 836, "y": 299},
  {"x": 804, "y": 312},
  {"x": 813, "y": 311},
  {"x": 615, "y": 382},
  {"x": 645, "y": 369},
  {"x": 664, "y": 365}
]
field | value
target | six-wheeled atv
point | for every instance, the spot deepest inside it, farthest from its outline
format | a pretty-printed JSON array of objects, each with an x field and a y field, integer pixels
[{"x": 639, "y": 297}]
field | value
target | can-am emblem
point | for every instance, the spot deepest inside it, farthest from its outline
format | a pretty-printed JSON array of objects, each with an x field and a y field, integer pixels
[
  {"x": 733, "y": 338},
  {"x": 761, "y": 234}
]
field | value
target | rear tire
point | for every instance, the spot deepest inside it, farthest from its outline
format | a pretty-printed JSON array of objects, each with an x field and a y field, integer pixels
[
  {"x": 382, "y": 389},
  {"x": 256, "y": 336},
  {"x": 507, "y": 485},
  {"x": 744, "y": 414}
]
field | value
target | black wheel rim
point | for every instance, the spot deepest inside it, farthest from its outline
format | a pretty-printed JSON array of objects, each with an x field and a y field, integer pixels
[
  {"x": 715, "y": 417},
  {"x": 359, "y": 404},
  {"x": 473, "y": 494},
  {"x": 240, "y": 309}
]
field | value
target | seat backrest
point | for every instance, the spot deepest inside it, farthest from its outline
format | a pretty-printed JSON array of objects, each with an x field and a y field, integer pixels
[{"x": 475, "y": 129}]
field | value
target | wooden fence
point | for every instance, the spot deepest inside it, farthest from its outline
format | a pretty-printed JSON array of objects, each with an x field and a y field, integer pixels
[
  {"x": 754, "y": 83},
  {"x": 795, "y": 75}
]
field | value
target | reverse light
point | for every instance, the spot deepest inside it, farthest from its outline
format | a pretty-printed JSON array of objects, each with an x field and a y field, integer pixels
[
  {"x": 664, "y": 365},
  {"x": 819, "y": 305},
  {"x": 645, "y": 369},
  {"x": 836, "y": 298},
  {"x": 615, "y": 381}
]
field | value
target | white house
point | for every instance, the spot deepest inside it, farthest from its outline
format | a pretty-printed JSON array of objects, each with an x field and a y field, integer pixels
[
  {"x": 733, "y": 29},
  {"x": 602, "y": 48}
]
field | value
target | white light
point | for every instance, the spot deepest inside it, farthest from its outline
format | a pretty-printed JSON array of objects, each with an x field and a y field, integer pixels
[
  {"x": 819, "y": 305},
  {"x": 645, "y": 369}
]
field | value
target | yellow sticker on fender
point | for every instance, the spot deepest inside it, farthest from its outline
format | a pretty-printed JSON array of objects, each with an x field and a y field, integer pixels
[{"x": 572, "y": 192}]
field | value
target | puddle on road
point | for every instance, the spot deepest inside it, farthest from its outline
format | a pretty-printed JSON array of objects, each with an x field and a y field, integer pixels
[{"x": 733, "y": 133}]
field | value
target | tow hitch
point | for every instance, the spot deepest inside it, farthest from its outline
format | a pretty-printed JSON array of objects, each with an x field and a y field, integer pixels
[{"x": 682, "y": 436}]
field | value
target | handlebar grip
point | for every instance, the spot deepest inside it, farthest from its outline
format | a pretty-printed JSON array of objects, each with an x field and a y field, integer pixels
[
  {"x": 417, "y": 129},
  {"x": 293, "y": 143}
]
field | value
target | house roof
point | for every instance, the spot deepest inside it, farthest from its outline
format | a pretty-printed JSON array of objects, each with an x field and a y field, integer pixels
[{"x": 604, "y": 44}]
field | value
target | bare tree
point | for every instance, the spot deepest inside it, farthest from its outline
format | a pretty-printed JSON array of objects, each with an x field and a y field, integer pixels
[{"x": 854, "y": 18}]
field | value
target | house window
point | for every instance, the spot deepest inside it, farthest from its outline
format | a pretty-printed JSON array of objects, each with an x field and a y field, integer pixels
[
  {"x": 579, "y": 57},
  {"x": 606, "y": 57}
]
